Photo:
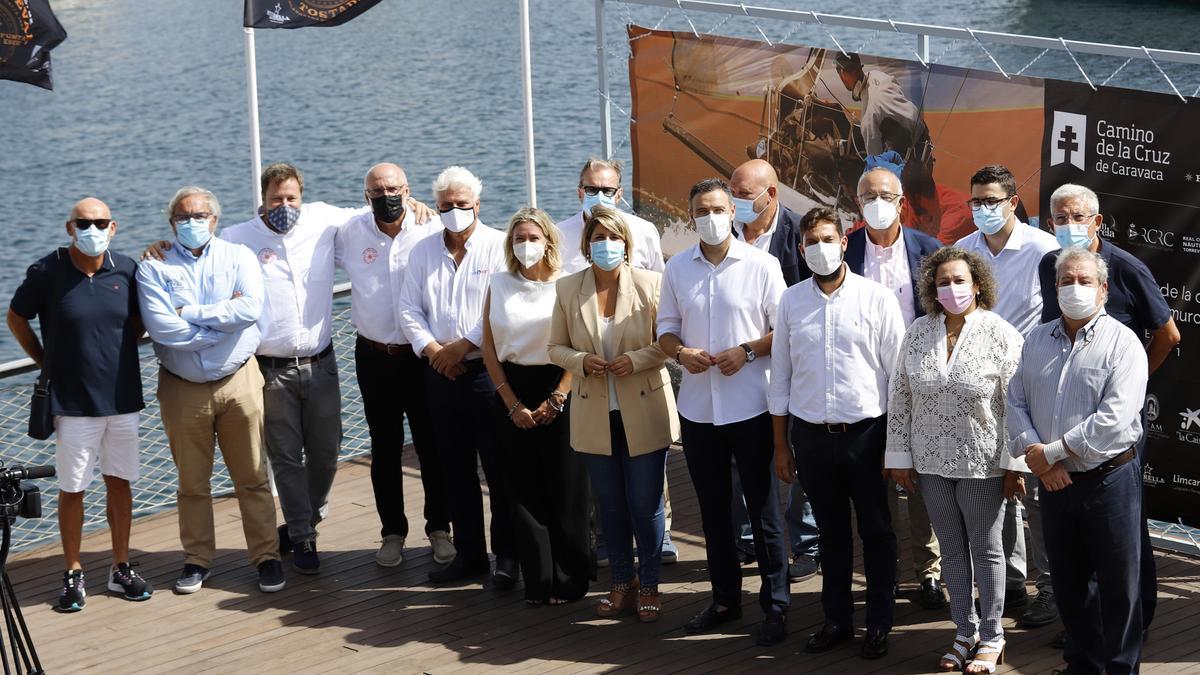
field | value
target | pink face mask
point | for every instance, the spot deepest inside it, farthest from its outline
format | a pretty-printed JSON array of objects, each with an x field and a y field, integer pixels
[{"x": 956, "y": 298}]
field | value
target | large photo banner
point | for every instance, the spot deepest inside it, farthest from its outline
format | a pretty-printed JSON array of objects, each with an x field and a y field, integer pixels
[{"x": 705, "y": 105}]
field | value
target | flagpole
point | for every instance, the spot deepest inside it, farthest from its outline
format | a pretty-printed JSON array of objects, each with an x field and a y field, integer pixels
[
  {"x": 527, "y": 81},
  {"x": 252, "y": 101}
]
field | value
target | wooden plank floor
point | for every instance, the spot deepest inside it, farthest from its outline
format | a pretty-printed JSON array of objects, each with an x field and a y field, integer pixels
[{"x": 357, "y": 617}]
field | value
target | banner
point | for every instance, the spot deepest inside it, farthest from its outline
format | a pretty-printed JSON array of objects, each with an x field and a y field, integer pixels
[
  {"x": 28, "y": 31},
  {"x": 302, "y": 13},
  {"x": 820, "y": 117}
]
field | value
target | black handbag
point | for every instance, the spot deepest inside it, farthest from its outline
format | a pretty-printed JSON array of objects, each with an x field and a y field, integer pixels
[{"x": 41, "y": 417}]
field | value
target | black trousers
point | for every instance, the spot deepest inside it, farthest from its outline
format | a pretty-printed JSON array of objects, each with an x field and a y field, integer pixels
[
  {"x": 393, "y": 387},
  {"x": 463, "y": 414},
  {"x": 837, "y": 470},
  {"x": 710, "y": 450},
  {"x": 549, "y": 490},
  {"x": 1148, "y": 583}
]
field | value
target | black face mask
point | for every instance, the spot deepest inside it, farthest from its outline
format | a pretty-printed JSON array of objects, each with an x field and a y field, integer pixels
[{"x": 388, "y": 208}]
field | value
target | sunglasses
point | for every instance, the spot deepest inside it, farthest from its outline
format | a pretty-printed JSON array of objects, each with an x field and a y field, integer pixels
[{"x": 98, "y": 223}]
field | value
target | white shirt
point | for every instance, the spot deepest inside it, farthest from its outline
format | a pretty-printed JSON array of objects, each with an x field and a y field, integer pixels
[
  {"x": 519, "y": 315},
  {"x": 375, "y": 264},
  {"x": 763, "y": 242},
  {"x": 610, "y": 352},
  {"x": 297, "y": 271},
  {"x": 882, "y": 99},
  {"x": 714, "y": 308},
  {"x": 832, "y": 356},
  {"x": 442, "y": 302},
  {"x": 888, "y": 265},
  {"x": 1019, "y": 290},
  {"x": 647, "y": 244}
]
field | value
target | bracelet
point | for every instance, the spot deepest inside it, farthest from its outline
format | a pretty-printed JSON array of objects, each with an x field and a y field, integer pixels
[
  {"x": 513, "y": 408},
  {"x": 556, "y": 407},
  {"x": 558, "y": 395},
  {"x": 502, "y": 385}
]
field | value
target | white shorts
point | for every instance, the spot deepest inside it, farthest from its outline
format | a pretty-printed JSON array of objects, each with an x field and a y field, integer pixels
[{"x": 85, "y": 442}]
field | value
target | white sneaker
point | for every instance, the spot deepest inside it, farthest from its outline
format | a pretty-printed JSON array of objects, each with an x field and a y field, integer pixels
[
  {"x": 391, "y": 552},
  {"x": 443, "y": 546}
]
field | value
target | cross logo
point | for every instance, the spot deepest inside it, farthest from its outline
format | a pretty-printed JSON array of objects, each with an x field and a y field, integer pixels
[
  {"x": 1190, "y": 418},
  {"x": 1068, "y": 139}
]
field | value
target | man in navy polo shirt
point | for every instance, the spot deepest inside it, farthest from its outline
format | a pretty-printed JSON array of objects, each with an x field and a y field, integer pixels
[
  {"x": 85, "y": 298},
  {"x": 1134, "y": 299}
]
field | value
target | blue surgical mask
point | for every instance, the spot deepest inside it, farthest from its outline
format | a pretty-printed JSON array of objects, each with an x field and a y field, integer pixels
[
  {"x": 283, "y": 218},
  {"x": 989, "y": 221},
  {"x": 193, "y": 234},
  {"x": 608, "y": 254},
  {"x": 744, "y": 208},
  {"x": 597, "y": 199},
  {"x": 92, "y": 241},
  {"x": 1073, "y": 235}
]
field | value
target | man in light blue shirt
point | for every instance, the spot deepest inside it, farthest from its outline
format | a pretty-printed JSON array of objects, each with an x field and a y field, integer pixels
[{"x": 200, "y": 305}]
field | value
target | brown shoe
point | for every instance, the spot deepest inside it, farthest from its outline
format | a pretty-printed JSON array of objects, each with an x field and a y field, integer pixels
[
  {"x": 649, "y": 607},
  {"x": 622, "y": 599}
]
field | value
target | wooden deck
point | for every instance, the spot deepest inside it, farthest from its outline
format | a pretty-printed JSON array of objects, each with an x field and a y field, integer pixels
[{"x": 357, "y": 617}]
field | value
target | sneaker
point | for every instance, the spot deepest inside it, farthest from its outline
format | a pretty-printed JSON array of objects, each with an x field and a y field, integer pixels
[
  {"x": 270, "y": 576},
  {"x": 304, "y": 557},
  {"x": 1041, "y": 612},
  {"x": 191, "y": 579},
  {"x": 285, "y": 540},
  {"x": 803, "y": 567},
  {"x": 125, "y": 580},
  {"x": 670, "y": 554},
  {"x": 391, "y": 551},
  {"x": 442, "y": 544},
  {"x": 73, "y": 596}
]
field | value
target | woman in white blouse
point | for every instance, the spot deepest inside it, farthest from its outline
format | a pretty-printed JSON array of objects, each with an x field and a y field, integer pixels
[
  {"x": 947, "y": 436},
  {"x": 549, "y": 482}
]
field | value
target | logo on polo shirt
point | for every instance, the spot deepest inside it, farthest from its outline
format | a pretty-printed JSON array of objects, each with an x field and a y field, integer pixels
[
  {"x": 1191, "y": 418},
  {"x": 1068, "y": 139},
  {"x": 266, "y": 256},
  {"x": 370, "y": 255}
]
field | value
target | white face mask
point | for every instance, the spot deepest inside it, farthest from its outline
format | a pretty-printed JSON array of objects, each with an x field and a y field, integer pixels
[
  {"x": 713, "y": 228},
  {"x": 823, "y": 258},
  {"x": 1077, "y": 302},
  {"x": 457, "y": 220},
  {"x": 529, "y": 253},
  {"x": 879, "y": 214}
]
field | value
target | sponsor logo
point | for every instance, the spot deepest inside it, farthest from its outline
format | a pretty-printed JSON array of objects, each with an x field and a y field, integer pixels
[
  {"x": 1068, "y": 139},
  {"x": 1152, "y": 408},
  {"x": 1149, "y": 477},
  {"x": 1189, "y": 244},
  {"x": 370, "y": 255},
  {"x": 1154, "y": 237},
  {"x": 276, "y": 15},
  {"x": 321, "y": 10},
  {"x": 1185, "y": 480},
  {"x": 266, "y": 256},
  {"x": 15, "y": 27},
  {"x": 1188, "y": 424}
]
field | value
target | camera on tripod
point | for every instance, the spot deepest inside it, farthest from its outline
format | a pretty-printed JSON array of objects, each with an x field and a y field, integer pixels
[{"x": 18, "y": 499}]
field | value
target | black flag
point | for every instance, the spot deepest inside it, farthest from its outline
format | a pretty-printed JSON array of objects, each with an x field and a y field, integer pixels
[
  {"x": 301, "y": 13},
  {"x": 28, "y": 31}
]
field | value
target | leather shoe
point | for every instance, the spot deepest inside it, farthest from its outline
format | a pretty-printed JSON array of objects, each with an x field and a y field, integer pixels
[
  {"x": 772, "y": 630},
  {"x": 875, "y": 646},
  {"x": 830, "y": 636},
  {"x": 711, "y": 617},
  {"x": 459, "y": 569},
  {"x": 802, "y": 568},
  {"x": 931, "y": 595},
  {"x": 1059, "y": 641},
  {"x": 505, "y": 576}
]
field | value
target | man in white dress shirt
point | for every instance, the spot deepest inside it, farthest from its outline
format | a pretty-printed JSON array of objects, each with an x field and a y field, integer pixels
[
  {"x": 836, "y": 341},
  {"x": 373, "y": 248},
  {"x": 715, "y": 314},
  {"x": 1014, "y": 250},
  {"x": 441, "y": 313}
]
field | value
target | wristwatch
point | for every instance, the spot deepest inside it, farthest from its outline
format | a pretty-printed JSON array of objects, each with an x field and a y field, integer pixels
[{"x": 750, "y": 355}]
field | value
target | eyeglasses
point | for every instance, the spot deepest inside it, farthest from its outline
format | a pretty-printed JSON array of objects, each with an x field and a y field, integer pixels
[
  {"x": 989, "y": 202},
  {"x": 388, "y": 191},
  {"x": 1074, "y": 218},
  {"x": 98, "y": 223},
  {"x": 872, "y": 196},
  {"x": 592, "y": 190},
  {"x": 184, "y": 217}
]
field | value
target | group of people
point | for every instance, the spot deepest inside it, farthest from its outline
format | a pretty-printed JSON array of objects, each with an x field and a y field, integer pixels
[{"x": 823, "y": 372}]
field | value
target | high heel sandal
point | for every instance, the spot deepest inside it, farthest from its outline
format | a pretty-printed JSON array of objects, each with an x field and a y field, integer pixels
[
  {"x": 649, "y": 607},
  {"x": 963, "y": 650},
  {"x": 622, "y": 598},
  {"x": 993, "y": 648}
]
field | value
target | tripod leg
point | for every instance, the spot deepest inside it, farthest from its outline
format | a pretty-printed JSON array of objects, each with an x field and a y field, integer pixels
[
  {"x": 9, "y": 625},
  {"x": 24, "y": 639}
]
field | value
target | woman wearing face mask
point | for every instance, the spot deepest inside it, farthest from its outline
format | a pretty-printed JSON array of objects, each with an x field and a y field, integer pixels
[
  {"x": 548, "y": 480},
  {"x": 623, "y": 409},
  {"x": 947, "y": 438}
]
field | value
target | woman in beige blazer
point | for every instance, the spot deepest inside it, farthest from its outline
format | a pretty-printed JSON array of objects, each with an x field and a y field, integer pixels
[{"x": 622, "y": 406}]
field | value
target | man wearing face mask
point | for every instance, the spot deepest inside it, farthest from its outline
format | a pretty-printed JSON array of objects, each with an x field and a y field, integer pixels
[
  {"x": 373, "y": 248},
  {"x": 836, "y": 411},
  {"x": 1075, "y": 416},
  {"x": 600, "y": 183},
  {"x": 715, "y": 313},
  {"x": 85, "y": 297},
  {"x": 201, "y": 304},
  {"x": 1133, "y": 298},
  {"x": 441, "y": 313}
]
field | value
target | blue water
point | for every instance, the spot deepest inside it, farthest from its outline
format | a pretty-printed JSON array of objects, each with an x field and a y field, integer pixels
[{"x": 151, "y": 96}]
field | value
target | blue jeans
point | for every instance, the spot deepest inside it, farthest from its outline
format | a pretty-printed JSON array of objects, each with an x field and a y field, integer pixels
[
  {"x": 631, "y": 505},
  {"x": 801, "y": 525}
]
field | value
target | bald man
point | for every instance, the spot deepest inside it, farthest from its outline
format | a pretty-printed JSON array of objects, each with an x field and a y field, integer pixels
[
  {"x": 762, "y": 221},
  {"x": 85, "y": 297}
]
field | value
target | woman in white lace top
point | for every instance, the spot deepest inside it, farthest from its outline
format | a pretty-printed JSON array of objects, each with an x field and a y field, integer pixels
[{"x": 946, "y": 438}]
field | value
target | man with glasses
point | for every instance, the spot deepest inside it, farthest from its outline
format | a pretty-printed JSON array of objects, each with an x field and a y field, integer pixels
[
  {"x": 85, "y": 298},
  {"x": 201, "y": 304},
  {"x": 1014, "y": 250}
]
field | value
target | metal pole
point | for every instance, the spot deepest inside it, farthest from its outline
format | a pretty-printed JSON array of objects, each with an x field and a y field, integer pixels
[
  {"x": 527, "y": 85},
  {"x": 923, "y": 47},
  {"x": 601, "y": 60},
  {"x": 252, "y": 101}
]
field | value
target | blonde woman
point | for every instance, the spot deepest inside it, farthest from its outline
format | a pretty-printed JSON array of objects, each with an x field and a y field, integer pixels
[
  {"x": 623, "y": 410},
  {"x": 550, "y": 497}
]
